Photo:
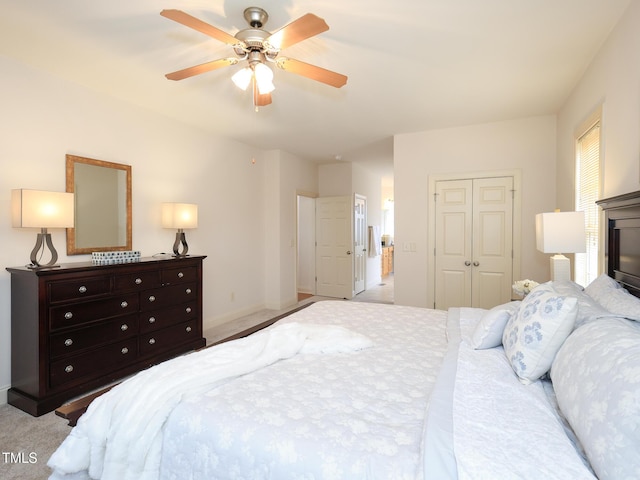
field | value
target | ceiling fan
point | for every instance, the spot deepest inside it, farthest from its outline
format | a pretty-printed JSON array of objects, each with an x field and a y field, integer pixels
[{"x": 259, "y": 47}]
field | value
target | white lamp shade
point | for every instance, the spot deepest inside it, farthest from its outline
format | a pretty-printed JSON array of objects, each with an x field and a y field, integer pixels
[
  {"x": 179, "y": 215},
  {"x": 242, "y": 78},
  {"x": 40, "y": 209},
  {"x": 560, "y": 232}
]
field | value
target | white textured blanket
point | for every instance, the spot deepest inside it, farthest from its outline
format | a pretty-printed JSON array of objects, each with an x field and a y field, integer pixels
[{"x": 120, "y": 436}]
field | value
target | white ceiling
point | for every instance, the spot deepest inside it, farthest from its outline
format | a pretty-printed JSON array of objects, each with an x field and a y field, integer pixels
[{"x": 413, "y": 65}]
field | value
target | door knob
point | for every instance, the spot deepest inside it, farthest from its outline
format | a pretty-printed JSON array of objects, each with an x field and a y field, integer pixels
[
  {"x": 475, "y": 264},
  {"x": 467, "y": 263},
  {"x": 348, "y": 252}
]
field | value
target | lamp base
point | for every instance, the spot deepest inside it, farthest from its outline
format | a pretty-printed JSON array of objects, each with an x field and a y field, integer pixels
[
  {"x": 181, "y": 240},
  {"x": 44, "y": 238},
  {"x": 560, "y": 268}
]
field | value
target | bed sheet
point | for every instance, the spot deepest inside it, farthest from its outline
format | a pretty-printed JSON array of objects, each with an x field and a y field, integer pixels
[
  {"x": 346, "y": 416},
  {"x": 502, "y": 428}
]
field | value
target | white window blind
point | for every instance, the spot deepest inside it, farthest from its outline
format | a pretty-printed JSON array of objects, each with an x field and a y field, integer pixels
[{"x": 587, "y": 192}]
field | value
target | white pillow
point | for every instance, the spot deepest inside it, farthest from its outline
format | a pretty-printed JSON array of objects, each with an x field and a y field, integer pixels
[
  {"x": 488, "y": 332},
  {"x": 608, "y": 293},
  {"x": 597, "y": 384},
  {"x": 533, "y": 336},
  {"x": 601, "y": 286}
]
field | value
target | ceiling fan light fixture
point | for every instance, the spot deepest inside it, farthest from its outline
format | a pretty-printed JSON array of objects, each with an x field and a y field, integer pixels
[
  {"x": 242, "y": 78},
  {"x": 264, "y": 78}
]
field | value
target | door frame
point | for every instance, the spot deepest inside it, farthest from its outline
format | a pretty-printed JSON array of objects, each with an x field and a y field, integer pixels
[
  {"x": 431, "y": 212},
  {"x": 313, "y": 196}
]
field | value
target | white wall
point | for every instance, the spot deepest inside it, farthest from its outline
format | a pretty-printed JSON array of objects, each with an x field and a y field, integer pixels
[
  {"x": 44, "y": 117},
  {"x": 612, "y": 81},
  {"x": 286, "y": 176},
  {"x": 527, "y": 144}
]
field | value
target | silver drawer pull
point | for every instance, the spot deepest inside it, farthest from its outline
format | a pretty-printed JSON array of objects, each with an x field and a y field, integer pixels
[
  {"x": 188, "y": 309},
  {"x": 124, "y": 327},
  {"x": 152, "y": 341},
  {"x": 125, "y": 350},
  {"x": 188, "y": 329},
  {"x": 138, "y": 281},
  {"x": 68, "y": 342},
  {"x": 180, "y": 274},
  {"x": 124, "y": 304},
  {"x": 68, "y": 368},
  {"x": 68, "y": 315},
  {"x": 188, "y": 291},
  {"x": 152, "y": 319},
  {"x": 82, "y": 289},
  {"x": 152, "y": 298}
]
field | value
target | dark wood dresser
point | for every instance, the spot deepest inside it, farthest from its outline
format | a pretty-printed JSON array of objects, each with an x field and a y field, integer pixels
[{"x": 81, "y": 326}]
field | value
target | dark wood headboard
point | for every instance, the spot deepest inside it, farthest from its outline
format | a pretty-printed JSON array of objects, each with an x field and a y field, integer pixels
[{"x": 622, "y": 241}]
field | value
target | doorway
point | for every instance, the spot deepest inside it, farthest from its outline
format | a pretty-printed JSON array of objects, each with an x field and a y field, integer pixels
[{"x": 306, "y": 238}]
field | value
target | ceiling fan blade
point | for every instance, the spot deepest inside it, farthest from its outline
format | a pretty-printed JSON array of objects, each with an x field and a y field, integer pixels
[
  {"x": 311, "y": 71},
  {"x": 260, "y": 100},
  {"x": 304, "y": 27},
  {"x": 203, "y": 27},
  {"x": 202, "y": 68}
]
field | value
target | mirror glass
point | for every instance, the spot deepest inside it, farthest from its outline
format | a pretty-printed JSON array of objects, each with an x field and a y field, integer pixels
[{"x": 102, "y": 205}]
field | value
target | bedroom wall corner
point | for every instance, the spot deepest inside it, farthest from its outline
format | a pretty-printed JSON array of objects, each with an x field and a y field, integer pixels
[
  {"x": 286, "y": 175},
  {"x": 610, "y": 82}
]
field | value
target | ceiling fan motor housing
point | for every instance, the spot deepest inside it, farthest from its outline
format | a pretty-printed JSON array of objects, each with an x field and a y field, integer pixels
[{"x": 256, "y": 16}]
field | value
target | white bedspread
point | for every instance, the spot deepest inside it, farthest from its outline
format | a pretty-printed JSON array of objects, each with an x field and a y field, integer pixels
[
  {"x": 121, "y": 435},
  {"x": 344, "y": 417}
]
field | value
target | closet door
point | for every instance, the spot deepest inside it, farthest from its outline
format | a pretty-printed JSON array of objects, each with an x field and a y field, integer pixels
[
  {"x": 454, "y": 223},
  {"x": 474, "y": 242},
  {"x": 491, "y": 269}
]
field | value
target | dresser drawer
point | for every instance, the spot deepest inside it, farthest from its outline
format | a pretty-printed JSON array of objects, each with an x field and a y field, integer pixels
[
  {"x": 93, "y": 363},
  {"x": 172, "y": 276},
  {"x": 73, "y": 314},
  {"x": 73, "y": 341},
  {"x": 158, "y": 319},
  {"x": 165, "y": 296},
  {"x": 79, "y": 288},
  {"x": 137, "y": 281},
  {"x": 161, "y": 340}
]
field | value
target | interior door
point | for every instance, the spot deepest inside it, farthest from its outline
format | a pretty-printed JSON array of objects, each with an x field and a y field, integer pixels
[
  {"x": 359, "y": 244},
  {"x": 474, "y": 242},
  {"x": 492, "y": 241},
  {"x": 454, "y": 223},
  {"x": 334, "y": 244}
]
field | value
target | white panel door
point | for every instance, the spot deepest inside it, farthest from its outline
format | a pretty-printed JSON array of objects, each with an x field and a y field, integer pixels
[
  {"x": 334, "y": 259},
  {"x": 492, "y": 241},
  {"x": 454, "y": 202},
  {"x": 359, "y": 244},
  {"x": 474, "y": 242}
]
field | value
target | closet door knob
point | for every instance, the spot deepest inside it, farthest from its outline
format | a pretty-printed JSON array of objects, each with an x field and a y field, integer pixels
[
  {"x": 475, "y": 264},
  {"x": 467, "y": 263}
]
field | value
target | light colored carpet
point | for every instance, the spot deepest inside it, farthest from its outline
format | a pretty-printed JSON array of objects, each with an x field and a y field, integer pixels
[{"x": 27, "y": 442}]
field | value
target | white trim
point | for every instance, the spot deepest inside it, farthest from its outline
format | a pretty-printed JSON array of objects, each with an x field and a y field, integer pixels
[
  {"x": 517, "y": 219},
  {"x": 3, "y": 394}
]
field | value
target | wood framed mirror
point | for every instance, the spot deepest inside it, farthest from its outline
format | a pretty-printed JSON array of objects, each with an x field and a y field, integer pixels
[{"x": 102, "y": 205}]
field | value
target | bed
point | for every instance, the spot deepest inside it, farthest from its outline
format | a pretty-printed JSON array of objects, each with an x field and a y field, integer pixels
[{"x": 546, "y": 387}]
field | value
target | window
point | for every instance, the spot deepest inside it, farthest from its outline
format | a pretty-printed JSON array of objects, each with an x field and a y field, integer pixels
[{"x": 587, "y": 192}]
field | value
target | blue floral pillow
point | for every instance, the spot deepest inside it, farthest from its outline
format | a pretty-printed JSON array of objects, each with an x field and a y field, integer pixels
[{"x": 534, "y": 335}]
